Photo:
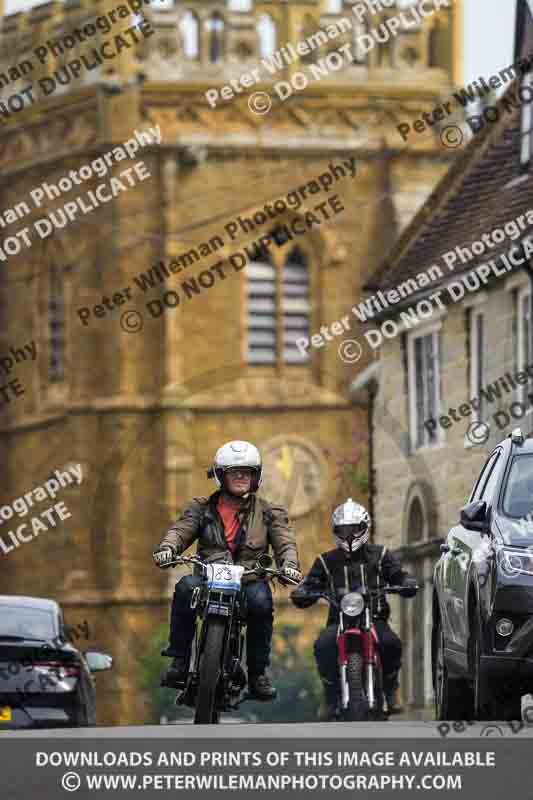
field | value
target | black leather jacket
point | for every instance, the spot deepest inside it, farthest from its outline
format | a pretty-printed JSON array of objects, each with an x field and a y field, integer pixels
[{"x": 338, "y": 572}]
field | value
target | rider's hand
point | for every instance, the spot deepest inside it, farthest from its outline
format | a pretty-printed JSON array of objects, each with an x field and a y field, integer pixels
[
  {"x": 291, "y": 574},
  {"x": 163, "y": 556}
]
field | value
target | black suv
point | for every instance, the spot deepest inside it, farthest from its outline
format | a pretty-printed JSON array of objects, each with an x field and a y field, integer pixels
[{"x": 482, "y": 638}]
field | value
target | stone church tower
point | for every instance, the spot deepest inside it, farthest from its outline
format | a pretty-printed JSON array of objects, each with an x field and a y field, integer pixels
[{"x": 144, "y": 410}]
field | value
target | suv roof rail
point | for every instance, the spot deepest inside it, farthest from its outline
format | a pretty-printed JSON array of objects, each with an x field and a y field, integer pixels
[{"x": 517, "y": 437}]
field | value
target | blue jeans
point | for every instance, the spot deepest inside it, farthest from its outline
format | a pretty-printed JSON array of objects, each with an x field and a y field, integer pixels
[{"x": 260, "y": 618}]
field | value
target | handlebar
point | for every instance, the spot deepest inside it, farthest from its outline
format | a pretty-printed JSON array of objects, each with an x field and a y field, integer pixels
[
  {"x": 185, "y": 560},
  {"x": 258, "y": 570},
  {"x": 372, "y": 592}
]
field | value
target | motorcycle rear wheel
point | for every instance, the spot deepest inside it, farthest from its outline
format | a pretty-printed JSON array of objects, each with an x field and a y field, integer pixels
[
  {"x": 357, "y": 710},
  {"x": 210, "y": 668}
]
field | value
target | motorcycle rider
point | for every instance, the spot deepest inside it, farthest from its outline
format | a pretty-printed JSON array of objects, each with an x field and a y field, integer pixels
[
  {"x": 237, "y": 526},
  {"x": 338, "y": 572}
]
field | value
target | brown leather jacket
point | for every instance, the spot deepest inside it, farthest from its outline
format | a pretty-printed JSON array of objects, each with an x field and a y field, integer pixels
[{"x": 261, "y": 524}]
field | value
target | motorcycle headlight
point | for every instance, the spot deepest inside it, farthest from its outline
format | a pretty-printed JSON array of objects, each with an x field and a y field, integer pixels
[
  {"x": 515, "y": 562},
  {"x": 352, "y": 604}
]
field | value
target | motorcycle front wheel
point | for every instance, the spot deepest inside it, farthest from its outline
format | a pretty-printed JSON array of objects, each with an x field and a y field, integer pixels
[
  {"x": 357, "y": 710},
  {"x": 210, "y": 668}
]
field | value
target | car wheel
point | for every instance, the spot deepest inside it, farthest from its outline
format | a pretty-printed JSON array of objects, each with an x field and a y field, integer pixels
[{"x": 452, "y": 697}]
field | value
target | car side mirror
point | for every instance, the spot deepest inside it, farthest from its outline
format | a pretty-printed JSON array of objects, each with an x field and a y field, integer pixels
[
  {"x": 98, "y": 662},
  {"x": 476, "y": 516}
]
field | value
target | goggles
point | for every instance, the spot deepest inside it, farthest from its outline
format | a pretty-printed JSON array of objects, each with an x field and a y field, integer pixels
[
  {"x": 247, "y": 472},
  {"x": 354, "y": 530}
]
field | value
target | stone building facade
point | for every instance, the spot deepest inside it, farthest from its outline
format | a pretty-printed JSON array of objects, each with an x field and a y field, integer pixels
[
  {"x": 473, "y": 343},
  {"x": 143, "y": 411}
]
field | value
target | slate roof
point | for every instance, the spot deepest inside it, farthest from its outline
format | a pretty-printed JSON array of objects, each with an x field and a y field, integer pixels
[{"x": 473, "y": 198}]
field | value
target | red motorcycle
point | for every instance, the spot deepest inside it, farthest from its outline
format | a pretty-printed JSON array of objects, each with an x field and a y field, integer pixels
[{"x": 360, "y": 672}]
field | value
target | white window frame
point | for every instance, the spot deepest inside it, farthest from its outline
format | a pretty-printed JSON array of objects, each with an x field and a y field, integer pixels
[
  {"x": 434, "y": 331},
  {"x": 426, "y": 593},
  {"x": 191, "y": 39},
  {"x": 526, "y": 129},
  {"x": 524, "y": 295},
  {"x": 268, "y": 35},
  {"x": 475, "y": 315}
]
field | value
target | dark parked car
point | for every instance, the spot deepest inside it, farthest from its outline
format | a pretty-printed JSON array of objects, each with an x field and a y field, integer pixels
[
  {"x": 482, "y": 639},
  {"x": 45, "y": 681}
]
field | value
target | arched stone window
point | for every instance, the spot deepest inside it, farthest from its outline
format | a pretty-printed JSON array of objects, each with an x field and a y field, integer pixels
[
  {"x": 266, "y": 28},
  {"x": 360, "y": 45},
  {"x": 261, "y": 296},
  {"x": 56, "y": 326},
  {"x": 215, "y": 28},
  {"x": 278, "y": 309},
  {"x": 419, "y": 555},
  {"x": 310, "y": 28},
  {"x": 295, "y": 306},
  {"x": 416, "y": 522},
  {"x": 190, "y": 31}
]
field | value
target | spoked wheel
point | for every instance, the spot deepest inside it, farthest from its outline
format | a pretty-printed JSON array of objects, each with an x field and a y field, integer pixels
[
  {"x": 210, "y": 669},
  {"x": 452, "y": 698},
  {"x": 357, "y": 710}
]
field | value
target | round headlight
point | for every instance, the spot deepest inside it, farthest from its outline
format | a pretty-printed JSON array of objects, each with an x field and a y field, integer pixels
[
  {"x": 511, "y": 564},
  {"x": 504, "y": 627},
  {"x": 352, "y": 604}
]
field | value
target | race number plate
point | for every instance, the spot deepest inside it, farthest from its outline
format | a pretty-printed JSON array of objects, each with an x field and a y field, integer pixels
[
  {"x": 5, "y": 713},
  {"x": 225, "y": 576}
]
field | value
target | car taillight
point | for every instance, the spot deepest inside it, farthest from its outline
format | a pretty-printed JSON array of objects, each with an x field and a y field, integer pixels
[
  {"x": 71, "y": 672},
  {"x": 64, "y": 671}
]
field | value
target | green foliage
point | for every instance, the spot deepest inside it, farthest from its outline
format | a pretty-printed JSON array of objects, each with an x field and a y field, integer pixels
[
  {"x": 356, "y": 477},
  {"x": 295, "y": 676}
]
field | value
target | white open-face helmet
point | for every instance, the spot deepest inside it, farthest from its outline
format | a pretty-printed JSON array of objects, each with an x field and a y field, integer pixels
[
  {"x": 351, "y": 525},
  {"x": 237, "y": 454}
]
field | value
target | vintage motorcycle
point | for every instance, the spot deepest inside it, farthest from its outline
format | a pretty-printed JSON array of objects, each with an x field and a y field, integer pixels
[
  {"x": 361, "y": 676},
  {"x": 216, "y": 680}
]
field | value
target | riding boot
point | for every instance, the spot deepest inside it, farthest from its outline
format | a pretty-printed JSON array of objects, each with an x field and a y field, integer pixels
[
  {"x": 393, "y": 705},
  {"x": 176, "y": 675},
  {"x": 390, "y": 690}
]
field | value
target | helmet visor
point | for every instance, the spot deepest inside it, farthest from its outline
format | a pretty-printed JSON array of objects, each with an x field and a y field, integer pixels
[
  {"x": 247, "y": 472},
  {"x": 354, "y": 530}
]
